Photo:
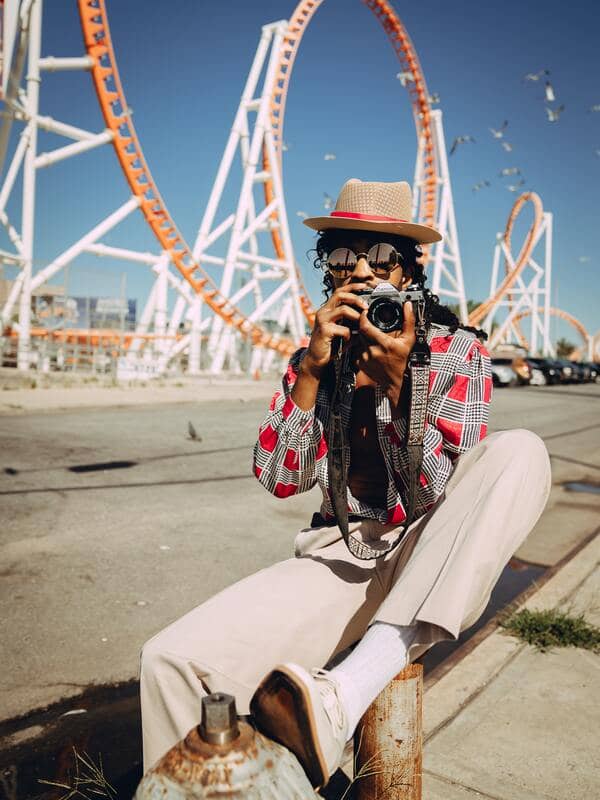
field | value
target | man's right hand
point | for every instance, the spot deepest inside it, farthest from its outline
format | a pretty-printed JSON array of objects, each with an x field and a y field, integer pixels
[{"x": 343, "y": 305}]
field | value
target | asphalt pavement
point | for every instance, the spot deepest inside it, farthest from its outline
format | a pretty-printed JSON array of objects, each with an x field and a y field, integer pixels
[{"x": 116, "y": 522}]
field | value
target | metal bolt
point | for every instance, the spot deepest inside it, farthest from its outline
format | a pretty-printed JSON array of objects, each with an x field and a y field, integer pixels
[{"x": 218, "y": 724}]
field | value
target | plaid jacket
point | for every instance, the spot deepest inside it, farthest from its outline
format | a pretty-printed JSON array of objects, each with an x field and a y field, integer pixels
[{"x": 290, "y": 455}]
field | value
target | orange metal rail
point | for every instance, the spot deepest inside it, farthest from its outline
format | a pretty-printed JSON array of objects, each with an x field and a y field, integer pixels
[
  {"x": 558, "y": 312},
  {"x": 417, "y": 90}
]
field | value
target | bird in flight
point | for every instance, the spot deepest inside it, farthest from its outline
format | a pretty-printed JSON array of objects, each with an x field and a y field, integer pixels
[
  {"x": 405, "y": 77},
  {"x": 328, "y": 201},
  {"x": 507, "y": 146},
  {"x": 434, "y": 97},
  {"x": 554, "y": 114},
  {"x": 499, "y": 133},
  {"x": 329, "y": 157},
  {"x": 285, "y": 147},
  {"x": 535, "y": 76},
  {"x": 594, "y": 109},
  {"x": 302, "y": 214},
  {"x": 550, "y": 98},
  {"x": 460, "y": 140},
  {"x": 509, "y": 171},
  {"x": 514, "y": 187},
  {"x": 583, "y": 259},
  {"x": 480, "y": 185}
]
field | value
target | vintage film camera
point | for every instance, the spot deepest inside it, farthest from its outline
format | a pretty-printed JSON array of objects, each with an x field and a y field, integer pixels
[{"x": 386, "y": 305}]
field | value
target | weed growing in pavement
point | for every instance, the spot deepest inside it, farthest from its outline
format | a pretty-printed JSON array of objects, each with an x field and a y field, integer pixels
[
  {"x": 552, "y": 628},
  {"x": 87, "y": 781}
]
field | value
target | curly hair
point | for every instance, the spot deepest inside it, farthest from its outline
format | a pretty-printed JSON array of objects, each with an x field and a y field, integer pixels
[{"x": 411, "y": 259}]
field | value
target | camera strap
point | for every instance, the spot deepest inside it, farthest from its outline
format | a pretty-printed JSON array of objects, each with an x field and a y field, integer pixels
[{"x": 418, "y": 371}]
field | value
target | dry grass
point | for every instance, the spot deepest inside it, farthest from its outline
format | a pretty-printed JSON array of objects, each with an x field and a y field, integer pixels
[{"x": 88, "y": 781}]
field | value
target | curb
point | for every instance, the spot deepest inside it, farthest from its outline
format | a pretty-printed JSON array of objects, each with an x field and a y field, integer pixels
[{"x": 479, "y": 662}]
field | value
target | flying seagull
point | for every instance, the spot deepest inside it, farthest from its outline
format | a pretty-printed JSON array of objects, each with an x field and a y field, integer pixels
[
  {"x": 329, "y": 157},
  {"x": 480, "y": 185},
  {"x": 509, "y": 171},
  {"x": 594, "y": 109},
  {"x": 405, "y": 77},
  {"x": 460, "y": 140},
  {"x": 434, "y": 97},
  {"x": 514, "y": 187},
  {"x": 302, "y": 214},
  {"x": 285, "y": 147},
  {"x": 535, "y": 76},
  {"x": 507, "y": 146},
  {"x": 550, "y": 98},
  {"x": 499, "y": 133},
  {"x": 583, "y": 259},
  {"x": 554, "y": 114},
  {"x": 328, "y": 201},
  {"x": 192, "y": 434}
]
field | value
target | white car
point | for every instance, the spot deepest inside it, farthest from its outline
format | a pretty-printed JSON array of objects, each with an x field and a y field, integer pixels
[{"x": 503, "y": 374}]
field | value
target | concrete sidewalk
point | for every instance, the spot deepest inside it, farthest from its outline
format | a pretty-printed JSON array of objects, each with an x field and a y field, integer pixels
[{"x": 508, "y": 722}]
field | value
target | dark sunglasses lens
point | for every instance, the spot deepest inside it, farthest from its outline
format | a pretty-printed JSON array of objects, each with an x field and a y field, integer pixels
[
  {"x": 383, "y": 257},
  {"x": 341, "y": 260}
]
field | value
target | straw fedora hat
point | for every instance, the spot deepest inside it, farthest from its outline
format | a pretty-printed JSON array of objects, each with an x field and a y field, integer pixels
[{"x": 375, "y": 206}]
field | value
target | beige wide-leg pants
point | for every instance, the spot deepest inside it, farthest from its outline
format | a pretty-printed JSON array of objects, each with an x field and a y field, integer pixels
[{"x": 310, "y": 608}]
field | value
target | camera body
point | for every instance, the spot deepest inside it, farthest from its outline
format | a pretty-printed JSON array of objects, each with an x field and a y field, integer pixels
[{"x": 386, "y": 304}]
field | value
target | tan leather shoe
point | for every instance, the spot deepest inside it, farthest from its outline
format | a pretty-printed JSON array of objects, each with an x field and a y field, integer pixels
[{"x": 303, "y": 712}]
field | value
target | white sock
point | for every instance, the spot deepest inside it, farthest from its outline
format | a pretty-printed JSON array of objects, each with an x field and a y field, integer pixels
[{"x": 379, "y": 656}]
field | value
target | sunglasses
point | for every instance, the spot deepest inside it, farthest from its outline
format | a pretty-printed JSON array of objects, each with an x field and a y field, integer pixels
[{"x": 382, "y": 258}]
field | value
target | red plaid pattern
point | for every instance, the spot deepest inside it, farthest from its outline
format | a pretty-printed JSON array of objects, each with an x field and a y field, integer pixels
[{"x": 290, "y": 455}]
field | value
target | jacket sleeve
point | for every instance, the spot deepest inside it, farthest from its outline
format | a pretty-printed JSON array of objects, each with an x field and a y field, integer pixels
[
  {"x": 457, "y": 416},
  {"x": 290, "y": 443}
]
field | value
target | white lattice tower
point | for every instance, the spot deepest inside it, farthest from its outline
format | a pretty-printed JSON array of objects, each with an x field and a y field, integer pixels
[
  {"x": 250, "y": 275},
  {"x": 22, "y": 107},
  {"x": 529, "y": 295},
  {"x": 444, "y": 264}
]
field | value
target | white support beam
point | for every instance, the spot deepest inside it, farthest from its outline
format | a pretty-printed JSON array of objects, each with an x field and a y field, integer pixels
[
  {"x": 99, "y": 230},
  {"x": 121, "y": 253},
  {"x": 53, "y": 64},
  {"x": 28, "y": 204},
  {"x": 54, "y": 156}
]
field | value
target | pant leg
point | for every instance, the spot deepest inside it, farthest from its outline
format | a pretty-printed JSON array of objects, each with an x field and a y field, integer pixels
[
  {"x": 445, "y": 573},
  {"x": 303, "y": 610}
]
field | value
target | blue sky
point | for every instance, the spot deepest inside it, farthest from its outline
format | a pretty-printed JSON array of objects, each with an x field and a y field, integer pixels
[{"x": 183, "y": 66}]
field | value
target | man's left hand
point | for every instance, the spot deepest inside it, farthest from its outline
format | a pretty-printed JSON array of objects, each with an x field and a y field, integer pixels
[{"x": 384, "y": 356}]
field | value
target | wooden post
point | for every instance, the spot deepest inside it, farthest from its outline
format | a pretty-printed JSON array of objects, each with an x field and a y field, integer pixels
[{"x": 388, "y": 743}]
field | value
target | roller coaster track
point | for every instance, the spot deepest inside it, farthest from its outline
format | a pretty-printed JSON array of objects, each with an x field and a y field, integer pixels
[
  {"x": 109, "y": 90},
  {"x": 417, "y": 90},
  {"x": 114, "y": 107},
  {"x": 512, "y": 273},
  {"x": 557, "y": 312}
]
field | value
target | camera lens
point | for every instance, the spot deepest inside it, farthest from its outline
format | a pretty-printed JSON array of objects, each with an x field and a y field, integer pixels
[{"x": 386, "y": 315}]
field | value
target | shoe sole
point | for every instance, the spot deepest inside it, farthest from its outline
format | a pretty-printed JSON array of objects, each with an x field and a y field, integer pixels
[{"x": 282, "y": 710}]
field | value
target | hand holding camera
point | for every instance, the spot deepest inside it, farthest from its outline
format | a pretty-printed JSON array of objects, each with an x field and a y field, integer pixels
[{"x": 384, "y": 319}]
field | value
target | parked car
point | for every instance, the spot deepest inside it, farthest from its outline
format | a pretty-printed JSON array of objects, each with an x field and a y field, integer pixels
[
  {"x": 544, "y": 372},
  {"x": 566, "y": 370},
  {"x": 517, "y": 363},
  {"x": 580, "y": 374},
  {"x": 594, "y": 371},
  {"x": 503, "y": 373}
]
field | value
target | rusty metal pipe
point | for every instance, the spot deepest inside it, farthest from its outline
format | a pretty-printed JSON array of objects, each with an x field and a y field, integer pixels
[{"x": 388, "y": 743}]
